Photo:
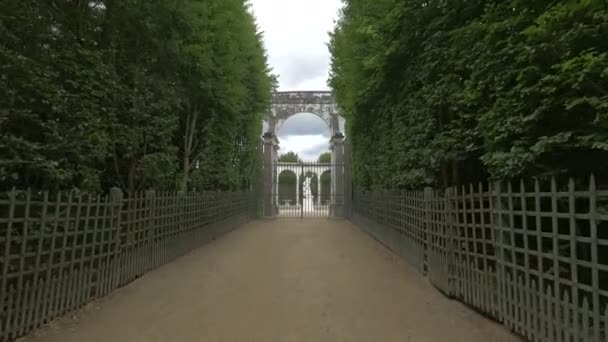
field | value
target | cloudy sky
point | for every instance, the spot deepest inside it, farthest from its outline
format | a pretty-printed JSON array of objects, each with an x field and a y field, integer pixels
[{"x": 296, "y": 37}]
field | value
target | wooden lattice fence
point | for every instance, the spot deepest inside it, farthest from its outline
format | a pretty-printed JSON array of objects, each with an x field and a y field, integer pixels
[
  {"x": 532, "y": 254},
  {"x": 60, "y": 251}
]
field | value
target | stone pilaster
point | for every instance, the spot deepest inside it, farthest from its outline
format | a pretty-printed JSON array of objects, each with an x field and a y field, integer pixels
[{"x": 271, "y": 147}]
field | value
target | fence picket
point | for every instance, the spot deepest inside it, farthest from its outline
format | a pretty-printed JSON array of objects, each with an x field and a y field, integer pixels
[
  {"x": 555, "y": 240},
  {"x": 534, "y": 311},
  {"x": 605, "y": 323},
  {"x": 9, "y": 333},
  {"x": 74, "y": 247},
  {"x": 39, "y": 251},
  {"x": 49, "y": 295},
  {"x": 595, "y": 282},
  {"x": 566, "y": 321},
  {"x": 550, "y": 313},
  {"x": 520, "y": 303},
  {"x": 22, "y": 303},
  {"x": 586, "y": 336}
]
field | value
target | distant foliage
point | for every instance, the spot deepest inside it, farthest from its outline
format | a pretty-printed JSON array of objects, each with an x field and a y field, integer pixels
[
  {"x": 449, "y": 92},
  {"x": 136, "y": 94},
  {"x": 289, "y": 157},
  {"x": 325, "y": 158}
]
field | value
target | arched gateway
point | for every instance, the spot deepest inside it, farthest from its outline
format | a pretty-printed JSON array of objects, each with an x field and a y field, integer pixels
[{"x": 284, "y": 106}]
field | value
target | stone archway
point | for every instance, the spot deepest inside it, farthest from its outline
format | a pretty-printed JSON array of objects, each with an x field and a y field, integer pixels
[
  {"x": 288, "y": 104},
  {"x": 285, "y": 105}
]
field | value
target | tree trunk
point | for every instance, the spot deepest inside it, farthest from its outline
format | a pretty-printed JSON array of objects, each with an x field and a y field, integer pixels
[
  {"x": 189, "y": 134},
  {"x": 183, "y": 184}
]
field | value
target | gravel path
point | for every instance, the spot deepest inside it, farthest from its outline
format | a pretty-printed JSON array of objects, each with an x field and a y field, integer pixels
[{"x": 279, "y": 281}]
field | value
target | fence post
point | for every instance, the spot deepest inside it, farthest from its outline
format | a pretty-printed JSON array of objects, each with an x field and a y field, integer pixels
[
  {"x": 116, "y": 200},
  {"x": 452, "y": 271},
  {"x": 151, "y": 228},
  {"x": 501, "y": 271},
  {"x": 428, "y": 226},
  {"x": 180, "y": 223},
  {"x": 595, "y": 279},
  {"x": 5, "y": 310}
]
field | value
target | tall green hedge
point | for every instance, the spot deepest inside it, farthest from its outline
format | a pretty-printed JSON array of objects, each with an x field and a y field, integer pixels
[
  {"x": 449, "y": 92},
  {"x": 137, "y": 94}
]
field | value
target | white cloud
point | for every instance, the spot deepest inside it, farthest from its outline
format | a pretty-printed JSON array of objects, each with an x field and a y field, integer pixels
[
  {"x": 296, "y": 33},
  {"x": 304, "y": 124},
  {"x": 308, "y": 147},
  {"x": 296, "y": 37},
  {"x": 305, "y": 134}
]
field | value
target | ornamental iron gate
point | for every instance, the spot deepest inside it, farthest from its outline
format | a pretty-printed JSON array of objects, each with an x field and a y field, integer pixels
[{"x": 305, "y": 190}]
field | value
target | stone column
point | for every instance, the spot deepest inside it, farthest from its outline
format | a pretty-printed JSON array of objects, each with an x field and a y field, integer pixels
[
  {"x": 337, "y": 175},
  {"x": 271, "y": 145},
  {"x": 334, "y": 124}
]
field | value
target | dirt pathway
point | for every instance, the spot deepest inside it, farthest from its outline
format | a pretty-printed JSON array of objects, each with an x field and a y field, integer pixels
[{"x": 279, "y": 281}]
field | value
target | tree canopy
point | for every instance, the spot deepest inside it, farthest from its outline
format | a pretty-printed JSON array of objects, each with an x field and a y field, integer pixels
[
  {"x": 325, "y": 158},
  {"x": 136, "y": 94},
  {"x": 449, "y": 92},
  {"x": 290, "y": 157}
]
